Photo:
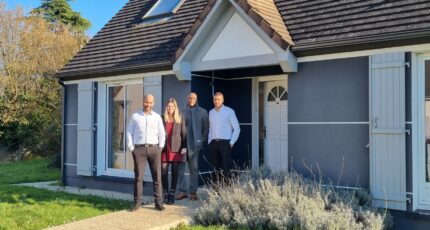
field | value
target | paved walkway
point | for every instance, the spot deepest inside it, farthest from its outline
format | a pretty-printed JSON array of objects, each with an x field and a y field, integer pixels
[{"x": 145, "y": 218}]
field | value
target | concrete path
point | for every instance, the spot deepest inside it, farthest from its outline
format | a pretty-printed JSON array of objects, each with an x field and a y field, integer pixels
[{"x": 145, "y": 218}]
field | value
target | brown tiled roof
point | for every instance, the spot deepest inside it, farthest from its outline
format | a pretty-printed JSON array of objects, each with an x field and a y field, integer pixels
[
  {"x": 266, "y": 14},
  {"x": 124, "y": 45},
  {"x": 263, "y": 12},
  {"x": 312, "y": 24},
  {"x": 319, "y": 23}
]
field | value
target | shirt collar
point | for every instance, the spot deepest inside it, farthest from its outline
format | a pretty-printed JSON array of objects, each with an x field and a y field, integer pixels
[
  {"x": 142, "y": 113},
  {"x": 220, "y": 109}
]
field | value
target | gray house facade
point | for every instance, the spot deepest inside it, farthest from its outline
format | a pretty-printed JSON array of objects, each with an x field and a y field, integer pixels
[{"x": 331, "y": 89}]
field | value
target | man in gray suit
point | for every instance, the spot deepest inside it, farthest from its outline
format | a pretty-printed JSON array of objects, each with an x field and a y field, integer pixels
[{"x": 197, "y": 121}]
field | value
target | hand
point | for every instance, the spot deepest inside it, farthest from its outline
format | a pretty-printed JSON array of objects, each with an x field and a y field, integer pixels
[
  {"x": 183, "y": 151},
  {"x": 130, "y": 147}
]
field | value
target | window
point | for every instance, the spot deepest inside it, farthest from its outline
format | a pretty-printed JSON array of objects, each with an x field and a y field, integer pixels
[
  {"x": 123, "y": 101},
  {"x": 162, "y": 9},
  {"x": 278, "y": 93}
]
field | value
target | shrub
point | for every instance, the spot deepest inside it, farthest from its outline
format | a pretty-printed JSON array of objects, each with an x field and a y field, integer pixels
[{"x": 262, "y": 200}]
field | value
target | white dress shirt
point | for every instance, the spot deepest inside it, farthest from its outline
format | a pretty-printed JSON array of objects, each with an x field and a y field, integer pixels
[
  {"x": 145, "y": 129},
  {"x": 223, "y": 124}
]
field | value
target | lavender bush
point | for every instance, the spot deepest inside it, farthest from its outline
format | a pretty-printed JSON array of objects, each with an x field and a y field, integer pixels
[{"x": 264, "y": 200}]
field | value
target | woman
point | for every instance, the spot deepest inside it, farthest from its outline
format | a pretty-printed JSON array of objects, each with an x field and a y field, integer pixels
[{"x": 175, "y": 151}]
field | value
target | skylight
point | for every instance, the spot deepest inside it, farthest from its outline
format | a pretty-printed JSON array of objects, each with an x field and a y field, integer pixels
[{"x": 162, "y": 9}]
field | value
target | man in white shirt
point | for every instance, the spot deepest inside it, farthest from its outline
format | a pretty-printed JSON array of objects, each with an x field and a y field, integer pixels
[
  {"x": 224, "y": 131},
  {"x": 145, "y": 139}
]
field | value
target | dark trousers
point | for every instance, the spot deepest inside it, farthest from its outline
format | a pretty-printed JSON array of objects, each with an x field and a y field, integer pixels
[
  {"x": 141, "y": 155},
  {"x": 220, "y": 152}
]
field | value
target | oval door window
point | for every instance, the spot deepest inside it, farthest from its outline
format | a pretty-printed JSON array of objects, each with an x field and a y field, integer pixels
[{"x": 277, "y": 94}]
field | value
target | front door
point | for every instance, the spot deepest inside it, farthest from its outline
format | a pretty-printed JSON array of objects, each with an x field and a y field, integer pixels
[{"x": 276, "y": 125}]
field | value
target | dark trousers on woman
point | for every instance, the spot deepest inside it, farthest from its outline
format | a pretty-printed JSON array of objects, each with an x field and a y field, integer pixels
[
  {"x": 141, "y": 155},
  {"x": 220, "y": 152},
  {"x": 169, "y": 193}
]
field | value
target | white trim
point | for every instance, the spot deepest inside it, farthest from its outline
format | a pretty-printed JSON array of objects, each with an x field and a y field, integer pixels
[
  {"x": 331, "y": 123},
  {"x": 118, "y": 173},
  {"x": 120, "y": 78},
  {"x": 68, "y": 164},
  {"x": 418, "y": 128},
  {"x": 71, "y": 124},
  {"x": 101, "y": 131},
  {"x": 279, "y": 77},
  {"x": 411, "y": 48}
]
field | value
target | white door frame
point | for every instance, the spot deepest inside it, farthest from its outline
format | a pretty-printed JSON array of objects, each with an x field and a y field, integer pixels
[
  {"x": 255, "y": 113},
  {"x": 418, "y": 129}
]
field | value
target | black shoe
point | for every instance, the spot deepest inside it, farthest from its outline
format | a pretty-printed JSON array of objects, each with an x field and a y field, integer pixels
[
  {"x": 165, "y": 197},
  {"x": 135, "y": 207},
  {"x": 159, "y": 207},
  {"x": 170, "y": 199}
]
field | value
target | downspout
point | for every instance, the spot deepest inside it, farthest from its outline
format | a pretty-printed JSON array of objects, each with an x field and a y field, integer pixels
[{"x": 63, "y": 133}]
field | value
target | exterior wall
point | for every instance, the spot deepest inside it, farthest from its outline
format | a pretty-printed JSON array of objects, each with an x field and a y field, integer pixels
[
  {"x": 179, "y": 90},
  {"x": 171, "y": 87},
  {"x": 330, "y": 91}
]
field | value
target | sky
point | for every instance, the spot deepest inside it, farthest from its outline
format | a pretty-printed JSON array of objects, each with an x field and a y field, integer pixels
[{"x": 98, "y": 12}]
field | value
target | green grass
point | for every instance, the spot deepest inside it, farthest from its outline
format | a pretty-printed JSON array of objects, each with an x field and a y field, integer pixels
[
  {"x": 31, "y": 208},
  {"x": 28, "y": 171}
]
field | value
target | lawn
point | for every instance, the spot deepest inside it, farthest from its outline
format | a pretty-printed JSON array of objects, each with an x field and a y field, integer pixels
[{"x": 30, "y": 208}]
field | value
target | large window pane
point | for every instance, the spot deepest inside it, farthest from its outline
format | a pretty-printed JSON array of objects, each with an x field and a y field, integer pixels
[
  {"x": 123, "y": 102},
  {"x": 116, "y": 127},
  {"x": 134, "y": 103}
]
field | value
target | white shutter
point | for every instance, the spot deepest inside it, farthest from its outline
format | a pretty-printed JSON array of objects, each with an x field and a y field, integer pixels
[
  {"x": 387, "y": 130},
  {"x": 152, "y": 85},
  {"x": 85, "y": 129}
]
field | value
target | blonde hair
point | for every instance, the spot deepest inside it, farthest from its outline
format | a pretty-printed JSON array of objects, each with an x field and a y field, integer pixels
[{"x": 177, "y": 117}]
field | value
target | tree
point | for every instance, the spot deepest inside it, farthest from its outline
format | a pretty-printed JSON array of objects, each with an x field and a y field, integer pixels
[
  {"x": 31, "y": 52},
  {"x": 59, "y": 11}
]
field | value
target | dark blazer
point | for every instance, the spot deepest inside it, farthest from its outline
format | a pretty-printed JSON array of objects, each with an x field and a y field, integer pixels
[{"x": 179, "y": 136}]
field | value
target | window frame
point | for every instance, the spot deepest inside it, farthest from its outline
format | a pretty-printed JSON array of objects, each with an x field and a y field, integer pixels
[{"x": 162, "y": 16}]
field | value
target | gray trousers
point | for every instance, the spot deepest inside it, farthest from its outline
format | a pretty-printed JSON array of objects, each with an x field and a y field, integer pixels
[
  {"x": 140, "y": 156},
  {"x": 193, "y": 168}
]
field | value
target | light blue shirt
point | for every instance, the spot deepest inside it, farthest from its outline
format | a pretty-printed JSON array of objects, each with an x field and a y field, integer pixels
[
  {"x": 223, "y": 124},
  {"x": 145, "y": 129}
]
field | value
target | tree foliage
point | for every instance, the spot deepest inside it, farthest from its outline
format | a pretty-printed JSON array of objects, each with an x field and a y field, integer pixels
[
  {"x": 31, "y": 52},
  {"x": 59, "y": 11}
]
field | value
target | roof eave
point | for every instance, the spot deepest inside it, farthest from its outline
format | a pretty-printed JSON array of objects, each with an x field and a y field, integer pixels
[
  {"x": 356, "y": 44},
  {"x": 113, "y": 71}
]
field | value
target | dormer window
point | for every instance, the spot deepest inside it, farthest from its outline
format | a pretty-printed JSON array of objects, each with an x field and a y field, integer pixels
[{"x": 162, "y": 10}]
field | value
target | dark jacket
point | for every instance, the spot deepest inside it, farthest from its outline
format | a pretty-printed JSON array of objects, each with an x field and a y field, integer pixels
[
  {"x": 179, "y": 136},
  {"x": 200, "y": 127}
]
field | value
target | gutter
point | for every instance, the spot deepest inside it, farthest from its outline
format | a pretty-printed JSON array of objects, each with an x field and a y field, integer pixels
[
  {"x": 63, "y": 132},
  {"x": 354, "y": 44},
  {"x": 111, "y": 71}
]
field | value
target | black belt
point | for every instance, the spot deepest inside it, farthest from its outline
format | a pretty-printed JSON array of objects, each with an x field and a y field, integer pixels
[
  {"x": 146, "y": 145},
  {"x": 216, "y": 140}
]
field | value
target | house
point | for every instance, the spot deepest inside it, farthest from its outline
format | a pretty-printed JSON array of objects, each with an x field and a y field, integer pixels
[{"x": 339, "y": 89}]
